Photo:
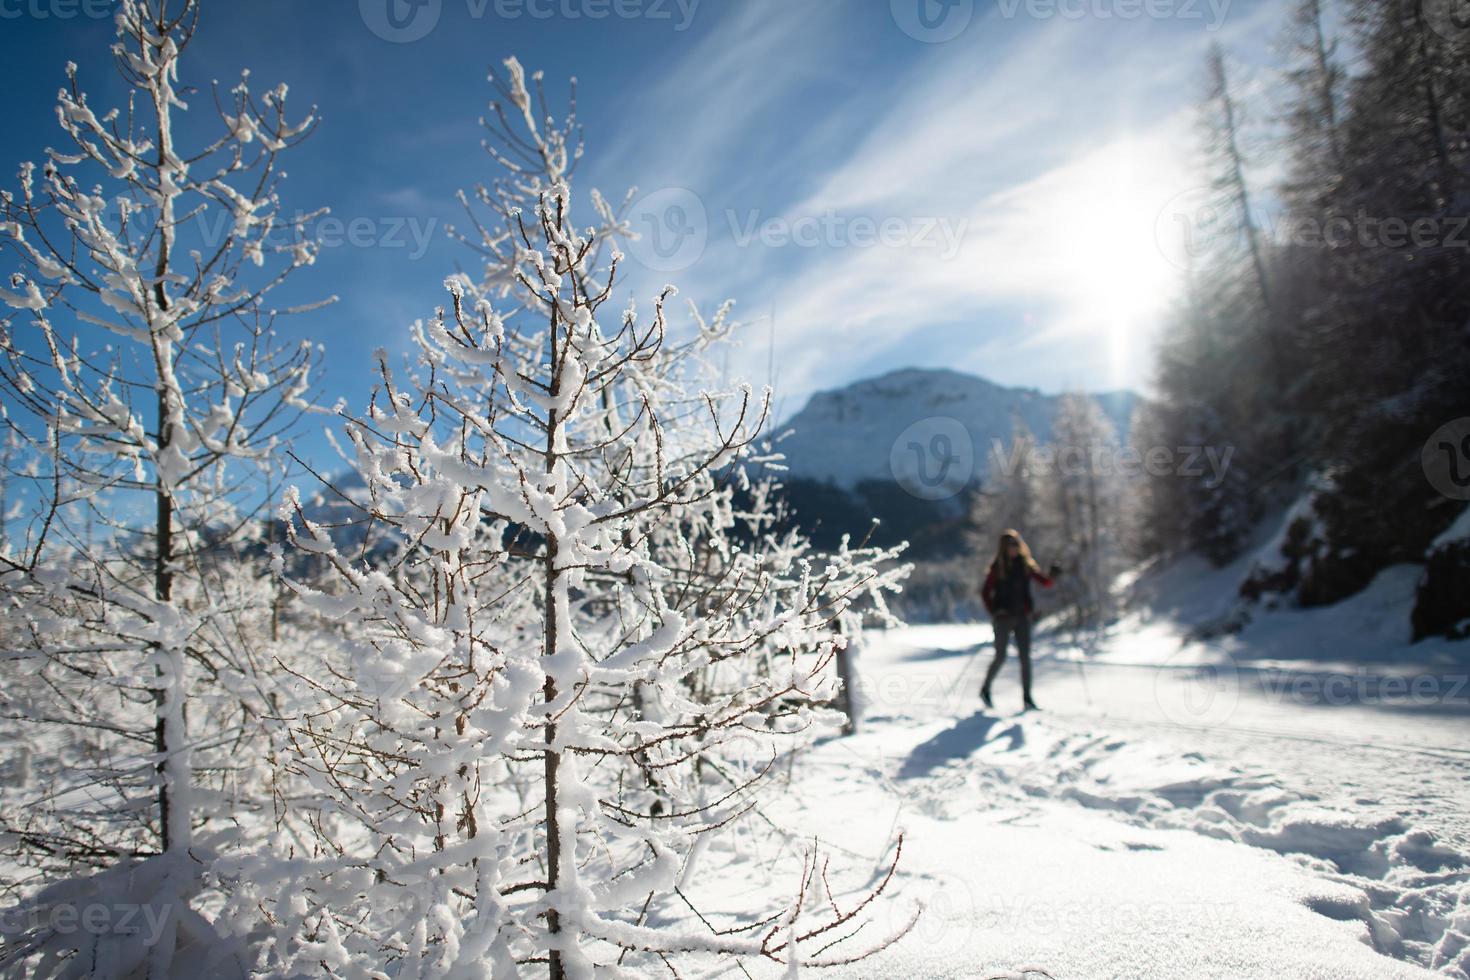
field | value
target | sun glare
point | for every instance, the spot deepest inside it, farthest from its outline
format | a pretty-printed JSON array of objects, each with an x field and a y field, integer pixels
[{"x": 1124, "y": 279}]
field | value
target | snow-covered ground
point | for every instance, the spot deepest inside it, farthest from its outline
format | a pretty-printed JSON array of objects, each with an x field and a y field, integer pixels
[{"x": 1291, "y": 801}]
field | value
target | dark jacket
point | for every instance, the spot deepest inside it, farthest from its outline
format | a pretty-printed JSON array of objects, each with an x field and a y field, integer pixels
[{"x": 1010, "y": 592}]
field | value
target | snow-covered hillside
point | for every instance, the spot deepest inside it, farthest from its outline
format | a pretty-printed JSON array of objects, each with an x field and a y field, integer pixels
[{"x": 846, "y": 435}]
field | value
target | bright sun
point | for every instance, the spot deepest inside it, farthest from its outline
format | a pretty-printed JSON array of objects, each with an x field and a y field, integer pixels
[{"x": 1108, "y": 209}]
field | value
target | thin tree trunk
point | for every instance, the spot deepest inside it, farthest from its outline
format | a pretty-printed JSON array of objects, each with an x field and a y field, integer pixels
[
  {"x": 163, "y": 531},
  {"x": 1239, "y": 190},
  {"x": 552, "y": 758},
  {"x": 1235, "y": 163},
  {"x": 163, "y": 588},
  {"x": 1326, "y": 97},
  {"x": 1445, "y": 186},
  {"x": 1095, "y": 589},
  {"x": 849, "y": 703}
]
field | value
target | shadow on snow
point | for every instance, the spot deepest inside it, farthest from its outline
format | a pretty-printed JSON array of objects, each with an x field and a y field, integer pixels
[{"x": 959, "y": 741}]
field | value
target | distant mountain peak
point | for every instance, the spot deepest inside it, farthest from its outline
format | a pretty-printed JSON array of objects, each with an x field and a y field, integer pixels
[{"x": 861, "y": 431}]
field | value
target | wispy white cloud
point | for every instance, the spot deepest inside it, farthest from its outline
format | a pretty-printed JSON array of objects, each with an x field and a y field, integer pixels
[
  {"x": 1052, "y": 148},
  {"x": 1055, "y": 204},
  {"x": 703, "y": 104}
]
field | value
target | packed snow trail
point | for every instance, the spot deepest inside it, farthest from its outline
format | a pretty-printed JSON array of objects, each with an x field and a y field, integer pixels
[{"x": 1157, "y": 818}]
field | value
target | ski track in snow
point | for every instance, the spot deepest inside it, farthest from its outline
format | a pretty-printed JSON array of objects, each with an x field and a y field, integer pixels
[{"x": 1370, "y": 802}]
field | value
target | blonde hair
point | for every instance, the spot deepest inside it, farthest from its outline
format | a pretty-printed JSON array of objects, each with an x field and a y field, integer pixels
[{"x": 1011, "y": 534}]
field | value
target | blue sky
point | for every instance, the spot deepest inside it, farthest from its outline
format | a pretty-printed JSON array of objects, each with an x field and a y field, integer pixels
[{"x": 877, "y": 184}]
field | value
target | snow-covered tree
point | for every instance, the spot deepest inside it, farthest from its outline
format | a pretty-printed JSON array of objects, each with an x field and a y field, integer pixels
[
  {"x": 1012, "y": 496},
  {"x": 572, "y": 656},
  {"x": 533, "y": 151},
  {"x": 147, "y": 394},
  {"x": 1009, "y": 496},
  {"x": 1086, "y": 493}
]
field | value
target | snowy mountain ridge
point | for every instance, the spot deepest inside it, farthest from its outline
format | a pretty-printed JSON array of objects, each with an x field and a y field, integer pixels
[{"x": 847, "y": 435}]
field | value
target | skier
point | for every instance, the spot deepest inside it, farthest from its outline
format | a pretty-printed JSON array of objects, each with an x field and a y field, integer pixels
[{"x": 1007, "y": 597}]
